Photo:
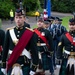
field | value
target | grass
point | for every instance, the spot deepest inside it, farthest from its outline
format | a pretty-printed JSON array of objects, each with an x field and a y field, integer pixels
[{"x": 66, "y": 21}]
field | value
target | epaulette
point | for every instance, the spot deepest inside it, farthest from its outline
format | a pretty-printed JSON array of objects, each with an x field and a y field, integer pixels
[
  {"x": 10, "y": 28},
  {"x": 29, "y": 29}
]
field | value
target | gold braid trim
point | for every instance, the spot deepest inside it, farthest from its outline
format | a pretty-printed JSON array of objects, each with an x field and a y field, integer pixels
[
  {"x": 10, "y": 28},
  {"x": 29, "y": 29},
  {"x": 35, "y": 66}
]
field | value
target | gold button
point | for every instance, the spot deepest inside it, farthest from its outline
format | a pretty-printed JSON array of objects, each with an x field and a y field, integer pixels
[
  {"x": 38, "y": 39},
  {"x": 17, "y": 35},
  {"x": 71, "y": 49},
  {"x": 71, "y": 46},
  {"x": 18, "y": 31}
]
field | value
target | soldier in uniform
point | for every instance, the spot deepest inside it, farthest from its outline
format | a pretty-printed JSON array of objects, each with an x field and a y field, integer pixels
[
  {"x": 45, "y": 45},
  {"x": 57, "y": 30},
  {"x": 20, "y": 49},
  {"x": 67, "y": 56}
]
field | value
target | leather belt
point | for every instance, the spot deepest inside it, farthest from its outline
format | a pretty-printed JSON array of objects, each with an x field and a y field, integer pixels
[
  {"x": 24, "y": 52},
  {"x": 41, "y": 44}
]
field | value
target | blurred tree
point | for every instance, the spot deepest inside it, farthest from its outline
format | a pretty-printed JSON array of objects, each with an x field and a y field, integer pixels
[
  {"x": 30, "y": 5},
  {"x": 42, "y": 3},
  {"x": 63, "y": 5},
  {"x": 5, "y": 7}
]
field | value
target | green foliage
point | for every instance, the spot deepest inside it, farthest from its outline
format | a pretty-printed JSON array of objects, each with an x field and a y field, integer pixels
[
  {"x": 39, "y": 6},
  {"x": 65, "y": 21},
  {"x": 5, "y": 7},
  {"x": 31, "y": 5},
  {"x": 31, "y": 13},
  {"x": 63, "y": 5}
]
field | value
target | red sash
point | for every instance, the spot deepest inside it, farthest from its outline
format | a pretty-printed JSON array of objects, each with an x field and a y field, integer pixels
[
  {"x": 0, "y": 48},
  {"x": 19, "y": 48},
  {"x": 42, "y": 37},
  {"x": 70, "y": 38}
]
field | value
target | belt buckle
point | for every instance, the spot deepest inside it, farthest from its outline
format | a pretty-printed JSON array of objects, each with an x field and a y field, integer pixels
[{"x": 38, "y": 44}]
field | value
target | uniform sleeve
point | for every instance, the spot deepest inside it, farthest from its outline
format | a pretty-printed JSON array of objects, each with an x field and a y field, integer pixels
[
  {"x": 5, "y": 49},
  {"x": 2, "y": 36},
  {"x": 34, "y": 52},
  {"x": 60, "y": 48},
  {"x": 63, "y": 29}
]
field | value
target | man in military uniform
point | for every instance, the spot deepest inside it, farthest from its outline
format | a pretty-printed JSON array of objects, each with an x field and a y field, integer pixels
[
  {"x": 67, "y": 56},
  {"x": 45, "y": 45},
  {"x": 20, "y": 48},
  {"x": 57, "y": 30}
]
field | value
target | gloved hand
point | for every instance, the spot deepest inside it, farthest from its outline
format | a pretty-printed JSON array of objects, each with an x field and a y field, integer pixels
[
  {"x": 4, "y": 71},
  {"x": 32, "y": 73}
]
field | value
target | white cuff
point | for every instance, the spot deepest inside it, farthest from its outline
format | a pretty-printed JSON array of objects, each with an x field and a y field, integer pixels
[
  {"x": 32, "y": 72},
  {"x": 4, "y": 71}
]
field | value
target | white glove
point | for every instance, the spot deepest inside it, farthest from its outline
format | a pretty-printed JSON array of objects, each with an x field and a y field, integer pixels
[
  {"x": 4, "y": 71},
  {"x": 32, "y": 73},
  {"x": 58, "y": 66}
]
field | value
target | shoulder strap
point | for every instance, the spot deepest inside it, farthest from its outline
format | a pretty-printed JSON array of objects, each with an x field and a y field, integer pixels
[
  {"x": 13, "y": 36},
  {"x": 42, "y": 37},
  {"x": 70, "y": 38}
]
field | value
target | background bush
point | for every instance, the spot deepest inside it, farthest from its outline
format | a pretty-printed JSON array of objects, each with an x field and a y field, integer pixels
[
  {"x": 67, "y": 6},
  {"x": 5, "y": 7}
]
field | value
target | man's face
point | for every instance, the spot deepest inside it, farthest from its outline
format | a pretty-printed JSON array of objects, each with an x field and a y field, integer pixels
[
  {"x": 72, "y": 27},
  {"x": 55, "y": 21},
  {"x": 60, "y": 22},
  {"x": 45, "y": 25},
  {"x": 39, "y": 24},
  {"x": 19, "y": 20}
]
